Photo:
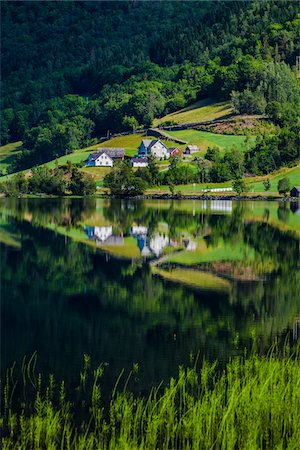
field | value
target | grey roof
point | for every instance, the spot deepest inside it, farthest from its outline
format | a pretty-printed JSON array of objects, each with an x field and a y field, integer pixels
[
  {"x": 142, "y": 159},
  {"x": 192, "y": 147},
  {"x": 114, "y": 240},
  {"x": 111, "y": 152},
  {"x": 111, "y": 240},
  {"x": 296, "y": 187},
  {"x": 148, "y": 142}
]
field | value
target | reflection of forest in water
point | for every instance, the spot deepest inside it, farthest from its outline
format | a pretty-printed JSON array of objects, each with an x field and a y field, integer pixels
[{"x": 63, "y": 298}]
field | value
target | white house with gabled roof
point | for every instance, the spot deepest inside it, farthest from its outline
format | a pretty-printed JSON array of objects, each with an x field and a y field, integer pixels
[
  {"x": 153, "y": 147},
  {"x": 105, "y": 157}
]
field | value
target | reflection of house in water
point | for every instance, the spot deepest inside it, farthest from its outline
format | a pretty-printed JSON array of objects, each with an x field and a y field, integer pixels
[
  {"x": 158, "y": 243},
  {"x": 140, "y": 234},
  {"x": 190, "y": 245},
  {"x": 217, "y": 205},
  {"x": 295, "y": 207},
  {"x": 137, "y": 230},
  {"x": 144, "y": 249},
  {"x": 104, "y": 235},
  {"x": 149, "y": 246}
]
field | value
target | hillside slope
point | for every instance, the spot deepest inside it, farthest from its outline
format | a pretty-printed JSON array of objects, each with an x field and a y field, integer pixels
[
  {"x": 73, "y": 71},
  {"x": 203, "y": 110}
]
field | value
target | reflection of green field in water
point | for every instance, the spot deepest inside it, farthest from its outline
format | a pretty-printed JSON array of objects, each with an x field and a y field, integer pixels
[
  {"x": 7, "y": 237},
  {"x": 202, "y": 280},
  {"x": 128, "y": 249},
  {"x": 277, "y": 214},
  {"x": 220, "y": 253}
]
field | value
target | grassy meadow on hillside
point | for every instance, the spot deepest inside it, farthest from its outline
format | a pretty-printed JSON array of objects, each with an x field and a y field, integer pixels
[
  {"x": 293, "y": 174},
  {"x": 129, "y": 142},
  {"x": 7, "y": 154},
  {"x": 206, "y": 139},
  {"x": 203, "y": 110},
  {"x": 202, "y": 138},
  {"x": 255, "y": 184}
]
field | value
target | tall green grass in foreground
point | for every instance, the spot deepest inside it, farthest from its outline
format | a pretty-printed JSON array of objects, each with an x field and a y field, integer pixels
[{"x": 253, "y": 403}]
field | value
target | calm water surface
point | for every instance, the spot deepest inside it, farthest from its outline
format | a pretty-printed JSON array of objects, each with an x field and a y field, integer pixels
[{"x": 144, "y": 282}]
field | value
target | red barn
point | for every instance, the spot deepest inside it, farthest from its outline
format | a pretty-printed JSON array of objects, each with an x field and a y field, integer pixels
[{"x": 176, "y": 152}]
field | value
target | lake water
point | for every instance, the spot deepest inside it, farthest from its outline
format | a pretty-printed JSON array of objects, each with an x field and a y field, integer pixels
[{"x": 152, "y": 283}]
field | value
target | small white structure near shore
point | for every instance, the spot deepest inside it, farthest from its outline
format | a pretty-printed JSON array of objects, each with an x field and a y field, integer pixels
[
  {"x": 139, "y": 161},
  {"x": 190, "y": 149}
]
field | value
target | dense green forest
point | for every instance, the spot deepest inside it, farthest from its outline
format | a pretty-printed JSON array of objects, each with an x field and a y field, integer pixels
[{"x": 71, "y": 71}]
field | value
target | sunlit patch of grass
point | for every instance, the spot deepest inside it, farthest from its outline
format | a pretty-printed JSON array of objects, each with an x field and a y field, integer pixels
[
  {"x": 293, "y": 174},
  {"x": 8, "y": 154},
  {"x": 253, "y": 403},
  {"x": 200, "y": 111},
  {"x": 98, "y": 173},
  {"x": 13, "y": 147},
  {"x": 196, "y": 278},
  {"x": 206, "y": 139}
]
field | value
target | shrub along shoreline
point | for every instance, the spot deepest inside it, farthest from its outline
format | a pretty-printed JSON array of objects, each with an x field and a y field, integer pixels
[{"x": 251, "y": 403}]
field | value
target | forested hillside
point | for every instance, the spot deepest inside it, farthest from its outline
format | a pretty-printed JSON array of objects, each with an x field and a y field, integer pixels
[{"x": 71, "y": 71}]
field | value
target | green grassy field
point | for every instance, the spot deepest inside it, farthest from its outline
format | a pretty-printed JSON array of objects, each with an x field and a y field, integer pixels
[
  {"x": 130, "y": 143},
  {"x": 255, "y": 184},
  {"x": 293, "y": 174},
  {"x": 8, "y": 153},
  {"x": 98, "y": 173},
  {"x": 206, "y": 139},
  {"x": 201, "y": 111}
]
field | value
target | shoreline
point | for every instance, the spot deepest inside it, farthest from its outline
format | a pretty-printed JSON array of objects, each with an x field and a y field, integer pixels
[
  {"x": 217, "y": 197},
  {"x": 163, "y": 197}
]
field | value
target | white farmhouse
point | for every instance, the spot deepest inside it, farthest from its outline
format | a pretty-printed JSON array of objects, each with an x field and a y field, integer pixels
[
  {"x": 105, "y": 157},
  {"x": 153, "y": 147}
]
